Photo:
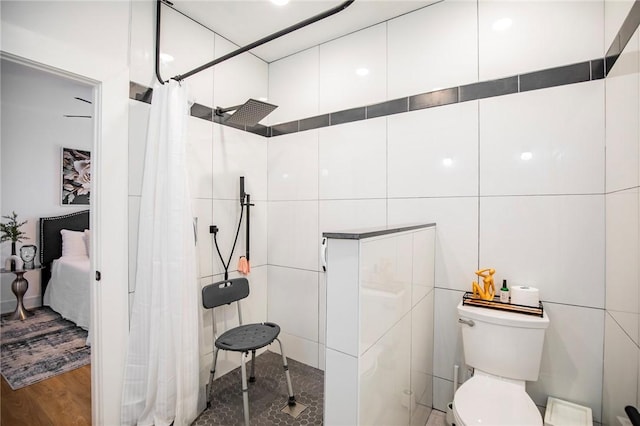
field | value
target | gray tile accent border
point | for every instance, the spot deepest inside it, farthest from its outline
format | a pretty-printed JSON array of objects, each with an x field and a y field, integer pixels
[
  {"x": 432, "y": 99},
  {"x": 138, "y": 92},
  {"x": 628, "y": 28},
  {"x": 560, "y": 76},
  {"x": 201, "y": 111},
  {"x": 487, "y": 89},
  {"x": 314, "y": 122},
  {"x": 284, "y": 128},
  {"x": 395, "y": 106},
  {"x": 595, "y": 69},
  {"x": 374, "y": 232},
  {"x": 347, "y": 116}
]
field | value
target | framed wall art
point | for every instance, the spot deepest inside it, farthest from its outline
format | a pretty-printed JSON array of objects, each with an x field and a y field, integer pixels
[{"x": 76, "y": 177}]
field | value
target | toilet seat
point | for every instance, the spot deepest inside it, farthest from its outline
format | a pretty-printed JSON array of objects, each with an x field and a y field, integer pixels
[{"x": 488, "y": 401}]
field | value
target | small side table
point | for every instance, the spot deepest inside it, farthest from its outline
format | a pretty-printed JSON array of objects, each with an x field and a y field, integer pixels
[{"x": 19, "y": 287}]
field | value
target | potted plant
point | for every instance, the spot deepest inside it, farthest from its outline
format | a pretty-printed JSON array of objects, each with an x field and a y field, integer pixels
[{"x": 11, "y": 232}]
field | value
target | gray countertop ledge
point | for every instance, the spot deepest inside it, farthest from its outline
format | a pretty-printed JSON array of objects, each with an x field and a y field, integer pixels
[{"x": 361, "y": 234}]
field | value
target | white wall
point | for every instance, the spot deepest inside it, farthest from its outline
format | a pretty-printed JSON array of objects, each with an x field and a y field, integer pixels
[
  {"x": 539, "y": 222},
  {"x": 622, "y": 336},
  {"x": 34, "y": 132}
]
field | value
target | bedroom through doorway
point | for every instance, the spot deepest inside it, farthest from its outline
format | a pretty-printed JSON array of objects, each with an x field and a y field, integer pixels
[{"x": 47, "y": 139}]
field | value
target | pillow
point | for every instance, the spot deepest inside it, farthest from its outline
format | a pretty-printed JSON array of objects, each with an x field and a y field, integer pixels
[
  {"x": 73, "y": 243},
  {"x": 87, "y": 241}
]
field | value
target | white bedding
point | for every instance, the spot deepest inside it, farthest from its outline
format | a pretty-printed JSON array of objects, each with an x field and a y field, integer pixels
[{"x": 68, "y": 289}]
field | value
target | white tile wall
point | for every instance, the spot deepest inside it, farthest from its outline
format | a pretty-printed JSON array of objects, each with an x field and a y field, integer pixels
[
  {"x": 341, "y": 215},
  {"x": 294, "y": 86},
  {"x": 434, "y": 152},
  {"x": 238, "y": 79},
  {"x": 352, "y": 160},
  {"x": 385, "y": 286},
  {"x": 203, "y": 211},
  {"x": 572, "y": 357},
  {"x": 422, "y": 351},
  {"x": 620, "y": 378},
  {"x": 178, "y": 32},
  {"x": 628, "y": 322},
  {"x": 615, "y": 12},
  {"x": 340, "y": 86},
  {"x": 237, "y": 153},
  {"x": 138, "y": 123},
  {"x": 293, "y": 234},
  {"x": 566, "y": 154},
  {"x": 623, "y": 120},
  {"x": 141, "y": 43},
  {"x": 415, "y": 39},
  {"x": 226, "y": 214},
  {"x": 300, "y": 318},
  {"x": 341, "y": 389},
  {"x": 199, "y": 149},
  {"x": 622, "y": 251},
  {"x": 447, "y": 339},
  {"x": 622, "y": 319},
  {"x": 456, "y": 238},
  {"x": 385, "y": 396},
  {"x": 134, "y": 214},
  {"x": 293, "y": 166},
  {"x": 553, "y": 243},
  {"x": 423, "y": 268},
  {"x": 523, "y": 47},
  {"x": 298, "y": 348}
]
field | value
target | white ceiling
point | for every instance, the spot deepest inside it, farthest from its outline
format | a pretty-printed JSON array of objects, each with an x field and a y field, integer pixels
[{"x": 245, "y": 21}]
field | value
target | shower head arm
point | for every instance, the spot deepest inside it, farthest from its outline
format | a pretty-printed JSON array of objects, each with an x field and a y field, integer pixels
[
  {"x": 220, "y": 111},
  {"x": 248, "y": 47}
]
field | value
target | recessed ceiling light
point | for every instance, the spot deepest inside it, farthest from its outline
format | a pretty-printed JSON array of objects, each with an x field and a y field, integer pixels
[
  {"x": 447, "y": 162},
  {"x": 502, "y": 24},
  {"x": 280, "y": 2},
  {"x": 362, "y": 71}
]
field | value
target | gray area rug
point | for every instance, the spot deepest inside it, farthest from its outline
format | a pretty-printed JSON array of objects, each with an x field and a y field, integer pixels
[
  {"x": 267, "y": 396},
  {"x": 40, "y": 347}
]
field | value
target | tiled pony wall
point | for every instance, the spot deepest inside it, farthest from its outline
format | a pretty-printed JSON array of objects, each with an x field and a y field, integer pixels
[
  {"x": 514, "y": 182},
  {"x": 621, "y": 349}
]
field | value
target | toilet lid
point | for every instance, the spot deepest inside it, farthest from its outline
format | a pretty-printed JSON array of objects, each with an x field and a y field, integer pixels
[{"x": 490, "y": 401}]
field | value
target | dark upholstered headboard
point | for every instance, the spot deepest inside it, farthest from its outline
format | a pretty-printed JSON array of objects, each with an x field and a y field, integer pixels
[{"x": 51, "y": 240}]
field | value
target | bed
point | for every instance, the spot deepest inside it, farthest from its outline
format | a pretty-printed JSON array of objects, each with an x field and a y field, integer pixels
[{"x": 65, "y": 278}]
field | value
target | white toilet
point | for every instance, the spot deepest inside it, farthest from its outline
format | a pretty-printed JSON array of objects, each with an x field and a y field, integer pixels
[{"x": 505, "y": 350}]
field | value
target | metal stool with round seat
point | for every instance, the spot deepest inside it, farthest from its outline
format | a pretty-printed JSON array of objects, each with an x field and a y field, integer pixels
[{"x": 243, "y": 338}]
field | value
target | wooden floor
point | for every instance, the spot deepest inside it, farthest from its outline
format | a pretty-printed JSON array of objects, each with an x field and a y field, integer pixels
[{"x": 61, "y": 400}]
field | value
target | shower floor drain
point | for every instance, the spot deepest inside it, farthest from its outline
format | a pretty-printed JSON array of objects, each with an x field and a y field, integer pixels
[{"x": 295, "y": 410}]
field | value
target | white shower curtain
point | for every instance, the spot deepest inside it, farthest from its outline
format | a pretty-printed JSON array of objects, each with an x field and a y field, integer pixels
[{"x": 161, "y": 375}]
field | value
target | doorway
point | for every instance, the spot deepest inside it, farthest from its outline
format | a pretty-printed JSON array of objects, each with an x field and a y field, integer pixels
[{"x": 44, "y": 114}]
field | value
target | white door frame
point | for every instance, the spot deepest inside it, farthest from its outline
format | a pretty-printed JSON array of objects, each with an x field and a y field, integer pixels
[{"x": 109, "y": 217}]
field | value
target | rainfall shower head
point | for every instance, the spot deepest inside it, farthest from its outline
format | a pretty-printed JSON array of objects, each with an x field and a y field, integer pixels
[{"x": 248, "y": 114}]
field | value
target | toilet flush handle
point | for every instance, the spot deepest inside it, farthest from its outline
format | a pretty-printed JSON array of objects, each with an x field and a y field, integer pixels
[{"x": 468, "y": 322}]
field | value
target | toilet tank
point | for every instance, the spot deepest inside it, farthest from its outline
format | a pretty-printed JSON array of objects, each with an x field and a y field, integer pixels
[{"x": 501, "y": 343}]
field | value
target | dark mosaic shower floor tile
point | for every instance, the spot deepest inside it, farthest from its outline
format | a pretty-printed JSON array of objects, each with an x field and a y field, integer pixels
[{"x": 267, "y": 396}]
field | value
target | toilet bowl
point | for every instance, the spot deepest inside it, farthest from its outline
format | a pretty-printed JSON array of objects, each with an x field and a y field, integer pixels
[{"x": 491, "y": 401}]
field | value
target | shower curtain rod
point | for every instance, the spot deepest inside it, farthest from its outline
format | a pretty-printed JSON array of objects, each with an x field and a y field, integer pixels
[{"x": 246, "y": 48}]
